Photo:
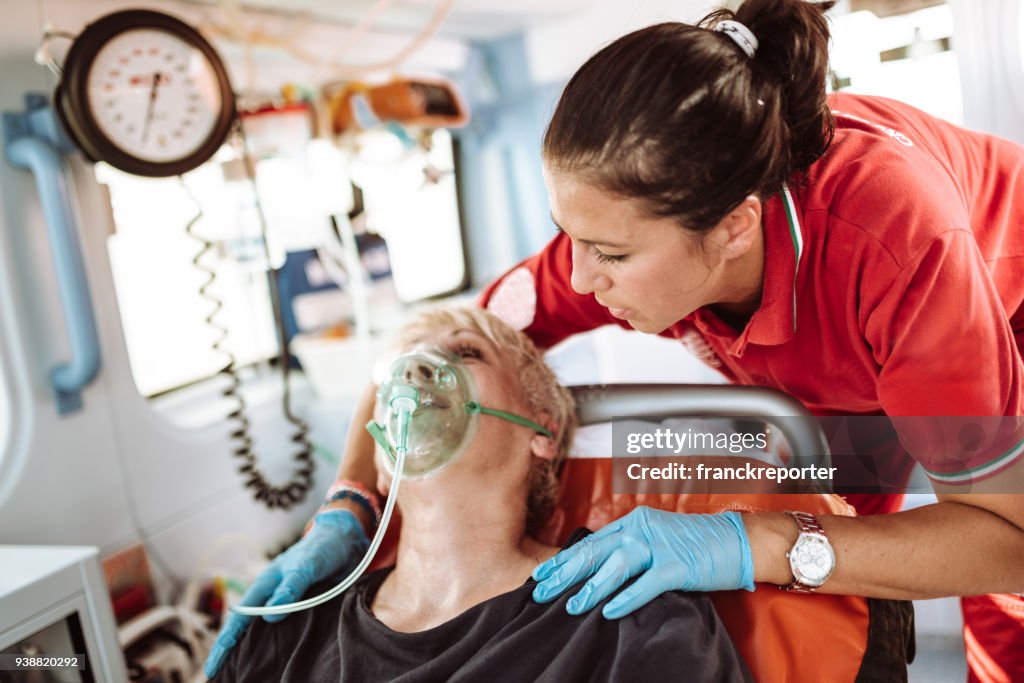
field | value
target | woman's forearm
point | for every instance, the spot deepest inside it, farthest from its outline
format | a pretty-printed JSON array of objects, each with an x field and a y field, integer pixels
[
  {"x": 949, "y": 548},
  {"x": 357, "y": 462}
]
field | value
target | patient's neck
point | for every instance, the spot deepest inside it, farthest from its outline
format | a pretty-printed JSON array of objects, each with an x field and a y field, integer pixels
[{"x": 456, "y": 550}]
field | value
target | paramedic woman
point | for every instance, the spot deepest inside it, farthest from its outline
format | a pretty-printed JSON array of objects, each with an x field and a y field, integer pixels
[{"x": 851, "y": 251}]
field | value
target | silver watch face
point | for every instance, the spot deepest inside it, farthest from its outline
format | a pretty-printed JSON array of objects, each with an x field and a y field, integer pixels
[{"x": 812, "y": 560}]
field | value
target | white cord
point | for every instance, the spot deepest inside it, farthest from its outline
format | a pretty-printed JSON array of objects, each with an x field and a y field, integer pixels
[
  {"x": 357, "y": 572},
  {"x": 357, "y": 280},
  {"x": 405, "y": 406},
  {"x": 343, "y": 71},
  {"x": 363, "y": 27}
]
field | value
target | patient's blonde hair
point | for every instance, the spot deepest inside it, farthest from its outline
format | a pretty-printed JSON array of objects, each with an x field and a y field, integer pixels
[{"x": 540, "y": 387}]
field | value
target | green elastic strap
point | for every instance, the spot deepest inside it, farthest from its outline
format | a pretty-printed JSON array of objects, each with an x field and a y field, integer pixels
[{"x": 475, "y": 407}]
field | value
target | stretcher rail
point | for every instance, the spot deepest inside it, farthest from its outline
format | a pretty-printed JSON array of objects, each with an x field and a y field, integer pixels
[{"x": 597, "y": 403}]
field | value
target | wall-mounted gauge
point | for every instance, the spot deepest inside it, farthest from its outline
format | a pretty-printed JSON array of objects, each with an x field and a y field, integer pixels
[{"x": 146, "y": 93}]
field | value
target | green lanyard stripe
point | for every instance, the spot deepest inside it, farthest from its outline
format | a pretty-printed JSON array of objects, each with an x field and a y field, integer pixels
[{"x": 796, "y": 236}]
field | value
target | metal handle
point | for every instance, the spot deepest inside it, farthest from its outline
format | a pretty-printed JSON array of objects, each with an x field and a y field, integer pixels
[
  {"x": 605, "y": 402},
  {"x": 34, "y": 142}
]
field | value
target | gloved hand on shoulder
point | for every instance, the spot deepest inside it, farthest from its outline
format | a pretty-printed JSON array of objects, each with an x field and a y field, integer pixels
[
  {"x": 336, "y": 539},
  {"x": 671, "y": 551}
]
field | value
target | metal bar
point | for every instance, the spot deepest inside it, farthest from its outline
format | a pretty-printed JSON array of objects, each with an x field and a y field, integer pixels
[{"x": 603, "y": 403}]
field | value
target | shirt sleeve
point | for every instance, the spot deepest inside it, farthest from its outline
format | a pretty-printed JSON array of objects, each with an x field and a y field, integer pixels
[
  {"x": 257, "y": 656},
  {"x": 675, "y": 633},
  {"x": 950, "y": 373},
  {"x": 537, "y": 297}
]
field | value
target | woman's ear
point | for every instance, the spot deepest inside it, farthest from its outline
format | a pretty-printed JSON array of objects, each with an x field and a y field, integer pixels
[
  {"x": 740, "y": 228},
  {"x": 545, "y": 447}
]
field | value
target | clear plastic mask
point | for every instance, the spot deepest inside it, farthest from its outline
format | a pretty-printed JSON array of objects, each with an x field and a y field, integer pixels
[
  {"x": 446, "y": 414},
  {"x": 441, "y": 426}
]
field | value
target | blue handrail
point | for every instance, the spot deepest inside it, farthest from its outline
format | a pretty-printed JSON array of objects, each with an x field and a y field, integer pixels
[{"x": 34, "y": 142}]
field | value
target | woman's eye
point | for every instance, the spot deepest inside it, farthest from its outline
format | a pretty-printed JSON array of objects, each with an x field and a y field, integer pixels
[
  {"x": 609, "y": 258},
  {"x": 601, "y": 256},
  {"x": 468, "y": 351}
]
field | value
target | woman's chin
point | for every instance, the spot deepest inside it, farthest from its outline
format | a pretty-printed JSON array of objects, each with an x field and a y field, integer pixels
[{"x": 645, "y": 325}]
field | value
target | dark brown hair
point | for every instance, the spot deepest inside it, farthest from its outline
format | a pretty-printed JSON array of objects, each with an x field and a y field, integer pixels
[{"x": 680, "y": 117}]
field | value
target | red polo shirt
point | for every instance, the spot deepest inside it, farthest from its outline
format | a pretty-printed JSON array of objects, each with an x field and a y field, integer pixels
[{"x": 894, "y": 282}]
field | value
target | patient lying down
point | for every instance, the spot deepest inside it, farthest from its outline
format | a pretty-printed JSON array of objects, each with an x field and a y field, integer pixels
[{"x": 457, "y": 604}]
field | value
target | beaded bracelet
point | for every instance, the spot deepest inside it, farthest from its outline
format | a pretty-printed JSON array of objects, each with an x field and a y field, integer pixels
[
  {"x": 358, "y": 494},
  {"x": 370, "y": 494}
]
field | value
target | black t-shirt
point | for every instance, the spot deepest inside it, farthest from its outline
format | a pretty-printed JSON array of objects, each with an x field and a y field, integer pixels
[{"x": 507, "y": 638}]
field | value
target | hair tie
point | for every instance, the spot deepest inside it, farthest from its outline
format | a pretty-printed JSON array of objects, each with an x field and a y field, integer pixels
[{"x": 740, "y": 35}]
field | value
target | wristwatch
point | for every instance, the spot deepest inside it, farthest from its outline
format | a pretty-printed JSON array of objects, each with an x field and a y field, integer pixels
[{"x": 811, "y": 558}]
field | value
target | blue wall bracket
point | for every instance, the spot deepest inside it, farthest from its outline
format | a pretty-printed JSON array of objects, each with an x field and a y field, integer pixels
[{"x": 34, "y": 140}]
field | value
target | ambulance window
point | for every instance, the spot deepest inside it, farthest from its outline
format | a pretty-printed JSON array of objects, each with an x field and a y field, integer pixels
[
  {"x": 901, "y": 49},
  {"x": 159, "y": 269},
  {"x": 405, "y": 226},
  {"x": 411, "y": 201}
]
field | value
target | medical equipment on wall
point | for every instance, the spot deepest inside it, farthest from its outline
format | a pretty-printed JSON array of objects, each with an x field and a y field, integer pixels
[
  {"x": 430, "y": 413},
  {"x": 146, "y": 93},
  {"x": 418, "y": 102},
  {"x": 293, "y": 491},
  {"x": 234, "y": 27}
]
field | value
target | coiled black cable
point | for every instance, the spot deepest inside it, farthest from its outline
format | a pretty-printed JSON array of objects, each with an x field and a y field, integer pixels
[{"x": 295, "y": 489}]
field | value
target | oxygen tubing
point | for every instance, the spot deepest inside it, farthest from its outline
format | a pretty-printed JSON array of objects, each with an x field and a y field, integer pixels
[{"x": 404, "y": 416}]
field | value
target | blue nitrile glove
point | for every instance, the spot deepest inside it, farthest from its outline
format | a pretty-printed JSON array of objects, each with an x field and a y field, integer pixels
[
  {"x": 336, "y": 539},
  {"x": 673, "y": 551}
]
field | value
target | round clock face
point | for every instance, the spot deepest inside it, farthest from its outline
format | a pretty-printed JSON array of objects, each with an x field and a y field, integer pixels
[
  {"x": 153, "y": 95},
  {"x": 146, "y": 93}
]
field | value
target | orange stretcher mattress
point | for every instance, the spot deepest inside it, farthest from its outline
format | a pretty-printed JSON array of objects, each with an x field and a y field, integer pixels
[{"x": 782, "y": 636}]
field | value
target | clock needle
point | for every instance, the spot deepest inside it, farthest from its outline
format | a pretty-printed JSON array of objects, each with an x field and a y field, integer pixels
[{"x": 149, "y": 108}]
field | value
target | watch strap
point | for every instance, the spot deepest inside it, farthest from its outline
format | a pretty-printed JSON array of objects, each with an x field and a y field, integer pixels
[{"x": 808, "y": 523}]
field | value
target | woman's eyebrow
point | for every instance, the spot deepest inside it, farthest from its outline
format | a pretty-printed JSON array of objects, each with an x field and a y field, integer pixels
[{"x": 590, "y": 243}]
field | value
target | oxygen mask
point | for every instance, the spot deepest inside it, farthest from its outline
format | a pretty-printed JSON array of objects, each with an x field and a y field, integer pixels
[{"x": 445, "y": 418}]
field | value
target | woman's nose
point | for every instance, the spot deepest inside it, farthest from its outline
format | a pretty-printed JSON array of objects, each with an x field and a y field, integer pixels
[{"x": 586, "y": 278}]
